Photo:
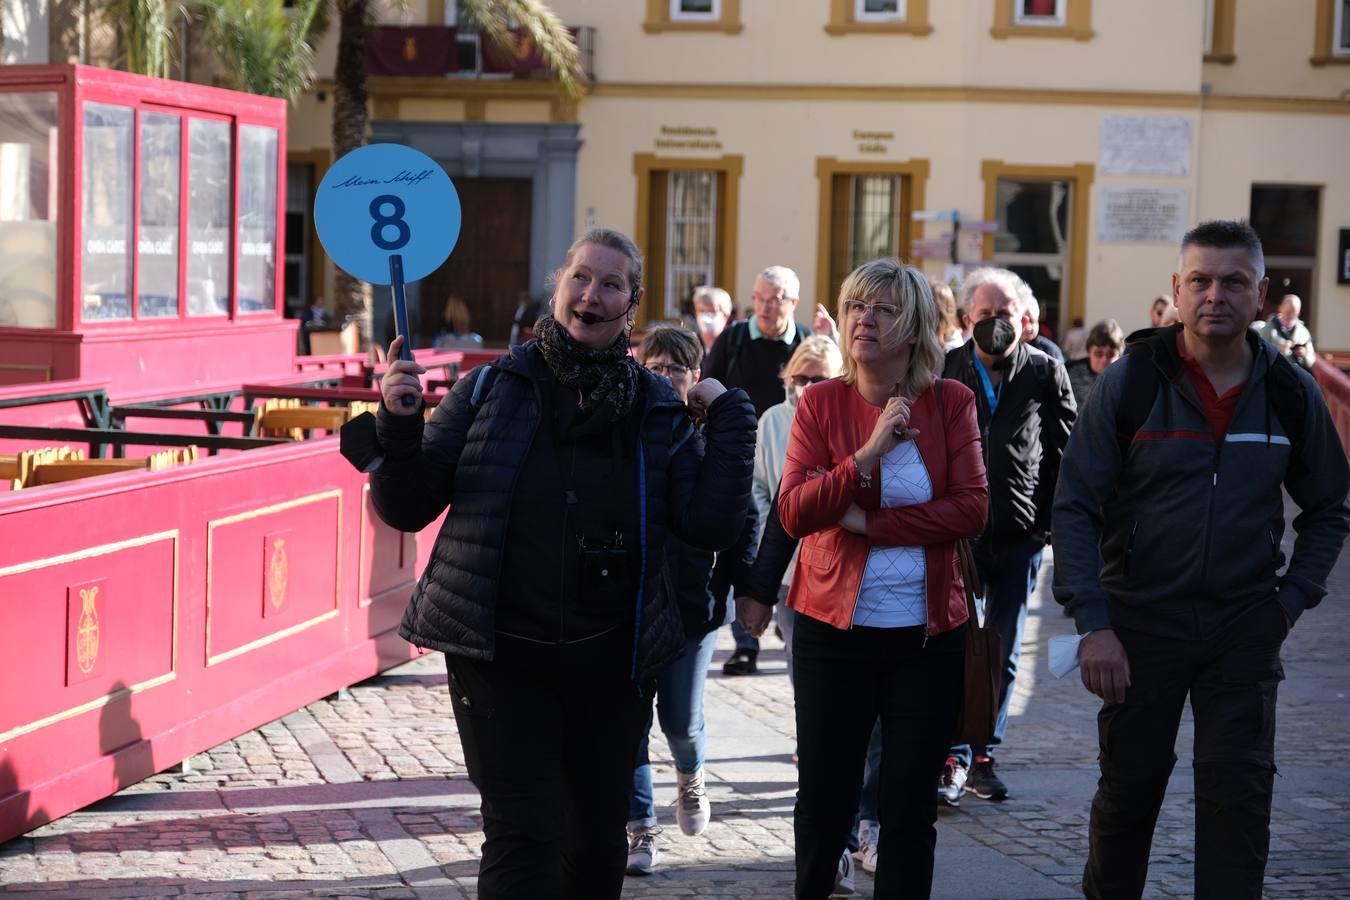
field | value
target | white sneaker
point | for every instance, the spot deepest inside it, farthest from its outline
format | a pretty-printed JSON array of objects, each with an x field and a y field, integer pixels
[
  {"x": 692, "y": 810},
  {"x": 843, "y": 878},
  {"x": 869, "y": 835},
  {"x": 642, "y": 852}
]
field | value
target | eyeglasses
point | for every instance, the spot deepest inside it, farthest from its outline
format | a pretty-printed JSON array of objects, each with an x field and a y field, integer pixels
[
  {"x": 802, "y": 381},
  {"x": 881, "y": 311},
  {"x": 672, "y": 371}
]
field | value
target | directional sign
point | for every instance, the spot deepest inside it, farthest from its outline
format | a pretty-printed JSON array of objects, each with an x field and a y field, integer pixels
[
  {"x": 382, "y": 200},
  {"x": 935, "y": 215}
]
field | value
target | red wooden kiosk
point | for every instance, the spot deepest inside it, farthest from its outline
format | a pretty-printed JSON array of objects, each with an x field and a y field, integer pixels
[{"x": 146, "y": 615}]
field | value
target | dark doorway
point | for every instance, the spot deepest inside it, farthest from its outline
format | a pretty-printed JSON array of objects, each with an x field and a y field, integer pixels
[
  {"x": 1287, "y": 217},
  {"x": 490, "y": 266}
]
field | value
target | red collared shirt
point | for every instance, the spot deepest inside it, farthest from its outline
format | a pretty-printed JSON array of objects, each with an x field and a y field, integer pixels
[{"x": 1218, "y": 410}]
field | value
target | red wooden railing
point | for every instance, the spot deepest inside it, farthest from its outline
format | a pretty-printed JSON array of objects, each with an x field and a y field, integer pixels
[{"x": 1336, "y": 389}]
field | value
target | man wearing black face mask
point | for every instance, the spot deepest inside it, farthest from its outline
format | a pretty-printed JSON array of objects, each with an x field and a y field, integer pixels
[{"x": 1026, "y": 410}]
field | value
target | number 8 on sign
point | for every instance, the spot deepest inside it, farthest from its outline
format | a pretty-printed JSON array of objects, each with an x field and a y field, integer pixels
[
  {"x": 388, "y": 214},
  {"x": 395, "y": 220}
]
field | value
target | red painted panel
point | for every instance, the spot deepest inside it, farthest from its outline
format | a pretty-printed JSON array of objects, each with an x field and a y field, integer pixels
[
  {"x": 246, "y": 563},
  {"x": 39, "y": 631}
]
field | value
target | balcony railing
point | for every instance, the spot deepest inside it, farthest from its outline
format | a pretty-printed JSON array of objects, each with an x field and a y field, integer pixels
[{"x": 432, "y": 51}]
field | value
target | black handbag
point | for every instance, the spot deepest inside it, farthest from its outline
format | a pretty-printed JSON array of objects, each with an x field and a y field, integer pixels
[
  {"x": 984, "y": 664},
  {"x": 984, "y": 648}
]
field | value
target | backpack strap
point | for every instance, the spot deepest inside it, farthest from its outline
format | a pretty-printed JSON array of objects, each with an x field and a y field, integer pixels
[
  {"x": 1142, "y": 381},
  {"x": 740, "y": 337},
  {"x": 1290, "y": 401},
  {"x": 482, "y": 384}
]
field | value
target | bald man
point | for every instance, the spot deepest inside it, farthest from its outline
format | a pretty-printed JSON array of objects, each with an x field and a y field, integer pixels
[{"x": 1288, "y": 333}]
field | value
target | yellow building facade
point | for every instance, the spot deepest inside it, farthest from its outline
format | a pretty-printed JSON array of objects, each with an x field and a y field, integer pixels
[{"x": 1075, "y": 140}]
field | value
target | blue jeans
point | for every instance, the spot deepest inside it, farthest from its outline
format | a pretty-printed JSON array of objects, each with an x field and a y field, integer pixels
[
  {"x": 871, "y": 788},
  {"x": 744, "y": 639},
  {"x": 679, "y": 707},
  {"x": 1009, "y": 576}
]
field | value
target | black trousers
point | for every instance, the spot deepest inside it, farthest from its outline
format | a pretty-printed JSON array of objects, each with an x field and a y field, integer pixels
[
  {"x": 843, "y": 681},
  {"x": 550, "y": 733},
  {"x": 1232, "y": 681}
]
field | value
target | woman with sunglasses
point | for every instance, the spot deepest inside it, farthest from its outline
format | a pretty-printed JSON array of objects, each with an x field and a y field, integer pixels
[{"x": 884, "y": 474}]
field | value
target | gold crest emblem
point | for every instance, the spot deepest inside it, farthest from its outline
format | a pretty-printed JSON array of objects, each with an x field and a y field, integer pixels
[
  {"x": 277, "y": 574},
  {"x": 409, "y": 49},
  {"x": 86, "y": 634}
]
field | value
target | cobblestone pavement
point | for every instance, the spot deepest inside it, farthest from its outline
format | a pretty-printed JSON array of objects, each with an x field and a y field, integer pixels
[{"x": 364, "y": 795}]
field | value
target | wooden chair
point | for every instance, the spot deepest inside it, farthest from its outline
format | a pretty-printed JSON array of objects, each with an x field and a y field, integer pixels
[
  {"x": 297, "y": 420},
  {"x": 358, "y": 407},
  {"x": 27, "y": 461},
  {"x": 61, "y": 470},
  {"x": 9, "y": 467}
]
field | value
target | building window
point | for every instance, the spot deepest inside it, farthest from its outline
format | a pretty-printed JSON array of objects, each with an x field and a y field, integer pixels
[
  {"x": 694, "y": 10},
  {"x": 1043, "y": 19},
  {"x": 1042, "y": 216},
  {"x": 1287, "y": 218},
  {"x": 686, "y": 228},
  {"x": 1219, "y": 15},
  {"x": 1331, "y": 44},
  {"x": 691, "y": 236},
  {"x": 879, "y": 10},
  {"x": 866, "y": 211},
  {"x": 878, "y": 17},
  {"x": 1039, "y": 12},
  {"x": 693, "y": 15}
]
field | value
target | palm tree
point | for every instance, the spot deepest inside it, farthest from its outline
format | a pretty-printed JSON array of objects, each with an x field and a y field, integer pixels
[
  {"x": 145, "y": 28},
  {"x": 494, "y": 18},
  {"x": 264, "y": 44}
]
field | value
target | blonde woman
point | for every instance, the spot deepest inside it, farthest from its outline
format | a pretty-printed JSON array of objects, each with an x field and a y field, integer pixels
[{"x": 884, "y": 473}]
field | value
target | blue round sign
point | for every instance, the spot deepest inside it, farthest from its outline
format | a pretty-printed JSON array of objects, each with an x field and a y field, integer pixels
[{"x": 387, "y": 199}]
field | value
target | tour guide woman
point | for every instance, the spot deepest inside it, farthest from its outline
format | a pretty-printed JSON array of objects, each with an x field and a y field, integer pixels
[
  {"x": 883, "y": 475},
  {"x": 564, "y": 465}
]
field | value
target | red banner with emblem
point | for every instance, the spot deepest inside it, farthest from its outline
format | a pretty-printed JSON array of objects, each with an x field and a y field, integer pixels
[
  {"x": 521, "y": 58},
  {"x": 414, "y": 50}
]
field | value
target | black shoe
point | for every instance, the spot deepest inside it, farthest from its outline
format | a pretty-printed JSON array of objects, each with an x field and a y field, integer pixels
[
  {"x": 742, "y": 662},
  {"x": 983, "y": 783}
]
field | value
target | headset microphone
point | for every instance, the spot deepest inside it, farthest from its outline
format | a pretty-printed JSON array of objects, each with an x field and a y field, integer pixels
[{"x": 591, "y": 318}]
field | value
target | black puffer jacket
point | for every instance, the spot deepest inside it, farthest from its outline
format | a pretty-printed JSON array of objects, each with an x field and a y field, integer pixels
[
  {"x": 468, "y": 455},
  {"x": 1023, "y": 439}
]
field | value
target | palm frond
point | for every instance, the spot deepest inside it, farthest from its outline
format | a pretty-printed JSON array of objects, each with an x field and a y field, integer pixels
[
  {"x": 263, "y": 49},
  {"x": 146, "y": 30},
  {"x": 545, "y": 30}
]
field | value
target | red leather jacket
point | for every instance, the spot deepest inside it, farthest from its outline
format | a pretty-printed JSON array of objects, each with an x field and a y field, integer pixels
[{"x": 833, "y": 422}]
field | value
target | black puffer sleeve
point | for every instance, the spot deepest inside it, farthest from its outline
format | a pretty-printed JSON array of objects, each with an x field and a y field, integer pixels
[{"x": 709, "y": 487}]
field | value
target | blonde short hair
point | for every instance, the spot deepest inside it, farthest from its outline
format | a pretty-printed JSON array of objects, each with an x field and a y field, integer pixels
[
  {"x": 816, "y": 348},
  {"x": 889, "y": 280}
]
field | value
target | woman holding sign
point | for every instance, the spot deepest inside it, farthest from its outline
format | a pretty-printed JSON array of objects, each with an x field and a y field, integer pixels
[
  {"x": 884, "y": 473},
  {"x": 565, "y": 465}
]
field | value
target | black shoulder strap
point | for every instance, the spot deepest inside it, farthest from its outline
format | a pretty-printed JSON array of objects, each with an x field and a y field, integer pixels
[
  {"x": 1142, "y": 380},
  {"x": 739, "y": 338},
  {"x": 482, "y": 384},
  {"x": 1289, "y": 399}
]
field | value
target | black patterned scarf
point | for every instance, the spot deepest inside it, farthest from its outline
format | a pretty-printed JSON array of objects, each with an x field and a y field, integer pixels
[{"x": 607, "y": 377}]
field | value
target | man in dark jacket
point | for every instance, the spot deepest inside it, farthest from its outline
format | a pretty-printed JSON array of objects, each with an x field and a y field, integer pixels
[
  {"x": 750, "y": 355},
  {"x": 1026, "y": 410},
  {"x": 1167, "y": 553}
]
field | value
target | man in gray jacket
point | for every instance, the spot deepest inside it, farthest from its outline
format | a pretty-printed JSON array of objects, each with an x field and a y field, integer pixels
[{"x": 1167, "y": 526}]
